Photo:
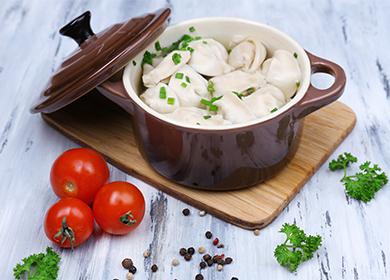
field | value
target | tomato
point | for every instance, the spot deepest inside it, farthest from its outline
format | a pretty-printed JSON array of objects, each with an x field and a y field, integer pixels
[
  {"x": 79, "y": 173},
  {"x": 69, "y": 222},
  {"x": 119, "y": 207}
]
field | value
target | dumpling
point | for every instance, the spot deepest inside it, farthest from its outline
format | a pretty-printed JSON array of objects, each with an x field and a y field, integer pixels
[
  {"x": 147, "y": 67},
  {"x": 248, "y": 54},
  {"x": 234, "y": 109},
  {"x": 264, "y": 100},
  {"x": 238, "y": 81},
  {"x": 196, "y": 116},
  {"x": 161, "y": 98},
  {"x": 169, "y": 65},
  {"x": 189, "y": 86},
  {"x": 282, "y": 71},
  {"x": 209, "y": 57}
]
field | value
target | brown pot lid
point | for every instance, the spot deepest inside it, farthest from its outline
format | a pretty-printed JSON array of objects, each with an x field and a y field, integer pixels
[{"x": 99, "y": 56}]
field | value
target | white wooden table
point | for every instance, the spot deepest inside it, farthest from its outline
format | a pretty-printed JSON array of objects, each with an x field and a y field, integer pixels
[{"x": 356, "y": 239}]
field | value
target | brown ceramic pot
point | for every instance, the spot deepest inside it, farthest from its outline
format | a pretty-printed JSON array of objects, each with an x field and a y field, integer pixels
[{"x": 232, "y": 157}]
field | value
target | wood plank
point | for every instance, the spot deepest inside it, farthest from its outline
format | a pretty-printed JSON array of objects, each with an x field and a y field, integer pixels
[{"x": 96, "y": 122}]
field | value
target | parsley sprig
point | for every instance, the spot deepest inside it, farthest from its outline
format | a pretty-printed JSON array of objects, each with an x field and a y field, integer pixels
[
  {"x": 38, "y": 266},
  {"x": 364, "y": 184},
  {"x": 297, "y": 248}
]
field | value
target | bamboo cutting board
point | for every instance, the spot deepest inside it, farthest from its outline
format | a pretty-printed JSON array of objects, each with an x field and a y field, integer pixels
[{"x": 98, "y": 123}]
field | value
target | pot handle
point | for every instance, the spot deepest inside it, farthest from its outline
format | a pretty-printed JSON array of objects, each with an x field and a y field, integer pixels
[{"x": 316, "y": 98}]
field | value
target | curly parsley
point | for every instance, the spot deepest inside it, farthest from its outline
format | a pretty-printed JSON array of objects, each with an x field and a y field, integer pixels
[
  {"x": 39, "y": 266},
  {"x": 297, "y": 248}
]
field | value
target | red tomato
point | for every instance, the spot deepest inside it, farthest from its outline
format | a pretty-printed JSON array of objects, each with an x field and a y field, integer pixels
[
  {"x": 69, "y": 222},
  {"x": 119, "y": 207},
  {"x": 79, "y": 173}
]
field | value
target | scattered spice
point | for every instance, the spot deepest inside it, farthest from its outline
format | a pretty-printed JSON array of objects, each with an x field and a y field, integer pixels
[
  {"x": 154, "y": 268},
  {"x": 256, "y": 232},
  {"x": 208, "y": 234},
  {"x": 191, "y": 250},
  {"x": 127, "y": 263},
  {"x": 199, "y": 277},
  {"x": 202, "y": 250},
  {"x": 187, "y": 257},
  {"x": 129, "y": 276},
  {"x": 146, "y": 253},
  {"x": 220, "y": 245},
  {"x": 210, "y": 262},
  {"x": 207, "y": 257},
  {"x": 234, "y": 278},
  {"x": 186, "y": 212},
  {"x": 175, "y": 262},
  {"x": 228, "y": 260},
  {"x": 219, "y": 267},
  {"x": 202, "y": 212},
  {"x": 215, "y": 241},
  {"x": 202, "y": 265},
  {"x": 133, "y": 269},
  {"x": 183, "y": 252}
]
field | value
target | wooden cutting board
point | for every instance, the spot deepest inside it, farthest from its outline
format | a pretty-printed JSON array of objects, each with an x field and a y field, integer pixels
[{"x": 95, "y": 122}]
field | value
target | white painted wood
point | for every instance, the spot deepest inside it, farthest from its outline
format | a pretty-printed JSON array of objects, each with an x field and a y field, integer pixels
[{"x": 355, "y": 34}]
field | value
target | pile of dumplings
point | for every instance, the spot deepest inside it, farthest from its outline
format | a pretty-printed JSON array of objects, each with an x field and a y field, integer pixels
[{"x": 204, "y": 84}]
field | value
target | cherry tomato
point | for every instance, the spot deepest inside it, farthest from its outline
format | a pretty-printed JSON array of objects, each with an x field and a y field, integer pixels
[
  {"x": 119, "y": 207},
  {"x": 69, "y": 222},
  {"x": 79, "y": 173}
]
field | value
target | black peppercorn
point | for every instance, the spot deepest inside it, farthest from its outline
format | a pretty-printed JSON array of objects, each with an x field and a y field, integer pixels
[
  {"x": 154, "y": 268},
  {"x": 127, "y": 263},
  {"x": 186, "y": 211},
  {"x": 234, "y": 278},
  {"x": 206, "y": 257},
  {"x": 133, "y": 269},
  {"x": 228, "y": 260},
  {"x": 183, "y": 252},
  {"x": 215, "y": 258},
  {"x": 199, "y": 277},
  {"x": 208, "y": 234},
  {"x": 202, "y": 265},
  {"x": 210, "y": 262},
  {"x": 187, "y": 257},
  {"x": 191, "y": 250}
]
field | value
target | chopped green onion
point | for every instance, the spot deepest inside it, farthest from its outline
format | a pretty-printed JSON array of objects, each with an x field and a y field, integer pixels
[
  {"x": 210, "y": 87},
  {"x": 216, "y": 98},
  {"x": 134, "y": 63},
  {"x": 171, "y": 100},
  {"x": 163, "y": 92},
  {"x": 183, "y": 84},
  {"x": 205, "y": 102},
  {"x": 190, "y": 49},
  {"x": 213, "y": 108},
  {"x": 188, "y": 79},
  {"x": 198, "y": 123},
  {"x": 229, "y": 51},
  {"x": 239, "y": 95},
  {"x": 250, "y": 90},
  {"x": 179, "y": 75},
  {"x": 204, "y": 42},
  {"x": 148, "y": 58},
  {"x": 207, "y": 117},
  {"x": 274, "y": 110},
  {"x": 157, "y": 46},
  {"x": 192, "y": 29},
  {"x": 197, "y": 38},
  {"x": 176, "y": 58},
  {"x": 295, "y": 55},
  {"x": 298, "y": 83}
]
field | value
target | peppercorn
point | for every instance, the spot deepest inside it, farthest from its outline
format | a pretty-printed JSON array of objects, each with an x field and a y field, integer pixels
[
  {"x": 187, "y": 257},
  {"x": 208, "y": 234},
  {"x": 256, "y": 232},
  {"x": 175, "y": 262},
  {"x": 220, "y": 261},
  {"x": 186, "y": 211},
  {"x": 234, "y": 278},
  {"x": 202, "y": 265},
  {"x": 129, "y": 276},
  {"x": 133, "y": 269},
  {"x": 207, "y": 257},
  {"x": 228, "y": 260},
  {"x": 220, "y": 245},
  {"x": 127, "y": 263},
  {"x": 201, "y": 250},
  {"x": 210, "y": 262},
  {"x": 219, "y": 267},
  {"x": 183, "y": 252},
  {"x": 146, "y": 253},
  {"x": 215, "y": 241},
  {"x": 199, "y": 277},
  {"x": 191, "y": 250},
  {"x": 154, "y": 268}
]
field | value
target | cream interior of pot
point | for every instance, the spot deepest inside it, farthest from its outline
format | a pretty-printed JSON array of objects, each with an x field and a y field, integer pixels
[{"x": 222, "y": 30}]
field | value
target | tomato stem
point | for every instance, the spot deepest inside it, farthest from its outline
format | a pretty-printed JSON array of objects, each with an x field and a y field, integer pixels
[
  {"x": 127, "y": 219},
  {"x": 65, "y": 232}
]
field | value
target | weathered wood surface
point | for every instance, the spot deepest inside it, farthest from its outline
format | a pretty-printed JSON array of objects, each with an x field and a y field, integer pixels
[{"x": 355, "y": 34}]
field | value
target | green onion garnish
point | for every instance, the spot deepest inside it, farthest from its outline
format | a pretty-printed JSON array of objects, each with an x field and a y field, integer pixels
[
  {"x": 209, "y": 103},
  {"x": 207, "y": 117},
  {"x": 190, "y": 49},
  {"x": 188, "y": 79},
  {"x": 163, "y": 92},
  {"x": 210, "y": 87},
  {"x": 295, "y": 55},
  {"x": 183, "y": 84},
  {"x": 204, "y": 42},
  {"x": 239, "y": 95},
  {"x": 192, "y": 29},
  {"x": 171, "y": 100},
  {"x": 148, "y": 58},
  {"x": 176, "y": 58},
  {"x": 134, "y": 63},
  {"x": 213, "y": 108},
  {"x": 298, "y": 83},
  {"x": 250, "y": 90},
  {"x": 157, "y": 46},
  {"x": 274, "y": 110},
  {"x": 179, "y": 75}
]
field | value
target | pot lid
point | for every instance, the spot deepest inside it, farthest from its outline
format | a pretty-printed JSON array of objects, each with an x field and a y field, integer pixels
[{"x": 98, "y": 57}]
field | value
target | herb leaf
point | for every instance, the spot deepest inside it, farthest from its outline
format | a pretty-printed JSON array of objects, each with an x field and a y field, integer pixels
[
  {"x": 365, "y": 184},
  {"x": 38, "y": 266},
  {"x": 342, "y": 161},
  {"x": 210, "y": 87},
  {"x": 297, "y": 248}
]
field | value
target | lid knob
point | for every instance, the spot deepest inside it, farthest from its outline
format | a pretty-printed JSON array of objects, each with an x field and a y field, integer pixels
[{"x": 79, "y": 29}]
